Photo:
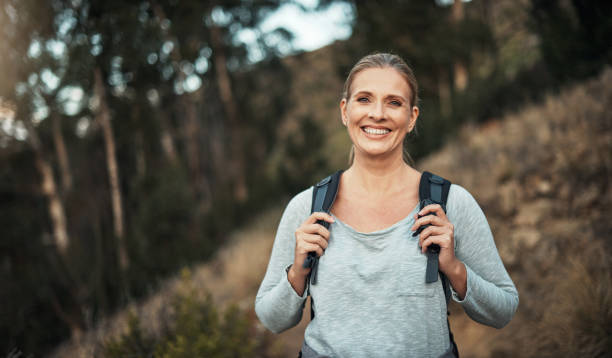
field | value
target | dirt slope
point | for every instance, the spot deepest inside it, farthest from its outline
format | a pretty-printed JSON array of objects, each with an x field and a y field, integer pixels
[{"x": 542, "y": 176}]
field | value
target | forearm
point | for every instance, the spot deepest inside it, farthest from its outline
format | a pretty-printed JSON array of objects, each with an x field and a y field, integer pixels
[
  {"x": 278, "y": 304},
  {"x": 486, "y": 302},
  {"x": 279, "y": 307},
  {"x": 490, "y": 296}
]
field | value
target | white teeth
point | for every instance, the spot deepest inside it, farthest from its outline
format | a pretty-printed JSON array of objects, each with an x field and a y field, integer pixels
[{"x": 376, "y": 130}]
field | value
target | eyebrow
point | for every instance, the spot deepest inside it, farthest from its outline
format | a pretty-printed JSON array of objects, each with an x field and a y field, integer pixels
[{"x": 387, "y": 96}]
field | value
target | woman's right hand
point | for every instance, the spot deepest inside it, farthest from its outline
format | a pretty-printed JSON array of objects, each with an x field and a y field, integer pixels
[{"x": 310, "y": 237}]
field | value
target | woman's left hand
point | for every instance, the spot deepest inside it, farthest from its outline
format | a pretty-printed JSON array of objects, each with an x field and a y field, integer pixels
[{"x": 441, "y": 232}]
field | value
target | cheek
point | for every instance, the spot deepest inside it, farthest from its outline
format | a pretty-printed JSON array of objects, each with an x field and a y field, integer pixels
[{"x": 355, "y": 114}]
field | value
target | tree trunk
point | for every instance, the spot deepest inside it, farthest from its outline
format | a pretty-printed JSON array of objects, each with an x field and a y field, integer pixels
[
  {"x": 141, "y": 160},
  {"x": 49, "y": 190},
  {"x": 460, "y": 73},
  {"x": 167, "y": 140},
  {"x": 191, "y": 132},
  {"x": 444, "y": 92},
  {"x": 103, "y": 118},
  {"x": 62, "y": 154},
  {"x": 216, "y": 145},
  {"x": 74, "y": 318},
  {"x": 461, "y": 76},
  {"x": 99, "y": 263},
  {"x": 56, "y": 207},
  {"x": 190, "y": 123},
  {"x": 237, "y": 163}
]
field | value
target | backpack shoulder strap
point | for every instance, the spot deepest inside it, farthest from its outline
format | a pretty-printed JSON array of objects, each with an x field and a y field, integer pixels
[
  {"x": 323, "y": 197},
  {"x": 324, "y": 193},
  {"x": 434, "y": 189}
]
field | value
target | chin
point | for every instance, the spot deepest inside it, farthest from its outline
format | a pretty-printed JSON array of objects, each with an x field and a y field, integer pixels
[{"x": 376, "y": 152}]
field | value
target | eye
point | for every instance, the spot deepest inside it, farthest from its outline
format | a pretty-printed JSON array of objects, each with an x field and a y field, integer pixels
[
  {"x": 362, "y": 99},
  {"x": 396, "y": 103}
]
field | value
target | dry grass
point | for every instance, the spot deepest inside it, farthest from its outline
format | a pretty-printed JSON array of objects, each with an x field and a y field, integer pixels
[{"x": 577, "y": 321}]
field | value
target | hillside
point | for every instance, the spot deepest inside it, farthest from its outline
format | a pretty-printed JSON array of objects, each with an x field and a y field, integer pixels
[{"x": 542, "y": 176}]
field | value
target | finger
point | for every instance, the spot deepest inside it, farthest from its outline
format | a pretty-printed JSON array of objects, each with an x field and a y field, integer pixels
[
  {"x": 316, "y": 229},
  {"x": 304, "y": 247},
  {"x": 431, "y": 230},
  {"x": 429, "y": 219},
  {"x": 319, "y": 216},
  {"x": 440, "y": 240},
  {"x": 428, "y": 242},
  {"x": 307, "y": 247},
  {"x": 315, "y": 239},
  {"x": 432, "y": 208}
]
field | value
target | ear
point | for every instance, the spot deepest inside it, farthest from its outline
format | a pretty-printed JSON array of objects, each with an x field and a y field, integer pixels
[
  {"x": 414, "y": 114},
  {"x": 343, "y": 114}
]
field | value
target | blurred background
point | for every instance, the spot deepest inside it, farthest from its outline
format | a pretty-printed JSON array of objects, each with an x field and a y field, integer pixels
[{"x": 148, "y": 148}]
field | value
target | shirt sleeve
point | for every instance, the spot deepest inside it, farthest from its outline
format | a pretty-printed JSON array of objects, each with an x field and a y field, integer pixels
[
  {"x": 277, "y": 305},
  {"x": 491, "y": 297}
]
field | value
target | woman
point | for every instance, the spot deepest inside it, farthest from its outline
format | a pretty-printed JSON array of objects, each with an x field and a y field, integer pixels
[{"x": 370, "y": 298}]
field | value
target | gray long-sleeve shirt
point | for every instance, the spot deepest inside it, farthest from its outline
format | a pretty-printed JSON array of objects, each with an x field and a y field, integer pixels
[{"x": 371, "y": 299}]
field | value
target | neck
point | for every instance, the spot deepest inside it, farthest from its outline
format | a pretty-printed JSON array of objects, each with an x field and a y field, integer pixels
[{"x": 380, "y": 176}]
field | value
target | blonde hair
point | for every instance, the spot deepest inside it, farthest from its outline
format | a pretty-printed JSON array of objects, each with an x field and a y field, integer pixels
[{"x": 384, "y": 60}]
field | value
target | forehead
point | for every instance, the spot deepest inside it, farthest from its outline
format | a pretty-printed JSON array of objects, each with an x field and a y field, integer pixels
[{"x": 386, "y": 80}]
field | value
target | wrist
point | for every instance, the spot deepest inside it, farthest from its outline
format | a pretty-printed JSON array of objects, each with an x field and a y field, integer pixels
[
  {"x": 457, "y": 268},
  {"x": 293, "y": 273},
  {"x": 453, "y": 269},
  {"x": 296, "y": 280},
  {"x": 458, "y": 278}
]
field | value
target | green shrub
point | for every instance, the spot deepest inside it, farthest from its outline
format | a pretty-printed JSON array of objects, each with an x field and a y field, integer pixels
[
  {"x": 197, "y": 329},
  {"x": 199, "y": 332},
  {"x": 133, "y": 344}
]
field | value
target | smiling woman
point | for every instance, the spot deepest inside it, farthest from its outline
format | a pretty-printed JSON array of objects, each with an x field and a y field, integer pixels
[
  {"x": 378, "y": 110},
  {"x": 387, "y": 235},
  {"x": 385, "y": 73}
]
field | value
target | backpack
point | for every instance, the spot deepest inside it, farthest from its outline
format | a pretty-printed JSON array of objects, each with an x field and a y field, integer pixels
[{"x": 433, "y": 189}]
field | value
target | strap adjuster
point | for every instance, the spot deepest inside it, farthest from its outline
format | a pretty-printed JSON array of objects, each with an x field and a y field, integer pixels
[
  {"x": 428, "y": 201},
  {"x": 324, "y": 181},
  {"x": 436, "y": 179}
]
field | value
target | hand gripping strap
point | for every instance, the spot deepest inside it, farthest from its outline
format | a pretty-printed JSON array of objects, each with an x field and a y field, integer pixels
[
  {"x": 432, "y": 190},
  {"x": 323, "y": 196}
]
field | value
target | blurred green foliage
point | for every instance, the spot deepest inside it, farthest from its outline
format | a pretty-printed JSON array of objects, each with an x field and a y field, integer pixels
[
  {"x": 198, "y": 330},
  {"x": 574, "y": 36},
  {"x": 132, "y": 344}
]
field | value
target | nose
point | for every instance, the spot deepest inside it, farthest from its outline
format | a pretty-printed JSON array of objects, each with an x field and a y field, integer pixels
[{"x": 376, "y": 112}]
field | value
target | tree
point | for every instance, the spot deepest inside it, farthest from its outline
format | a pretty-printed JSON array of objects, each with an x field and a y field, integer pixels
[
  {"x": 121, "y": 118},
  {"x": 104, "y": 119},
  {"x": 574, "y": 39}
]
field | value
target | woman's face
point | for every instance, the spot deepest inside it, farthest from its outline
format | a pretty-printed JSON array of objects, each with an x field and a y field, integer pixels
[{"x": 377, "y": 113}]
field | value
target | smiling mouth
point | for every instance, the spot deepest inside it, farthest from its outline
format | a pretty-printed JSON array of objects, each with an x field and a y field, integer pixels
[{"x": 375, "y": 131}]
